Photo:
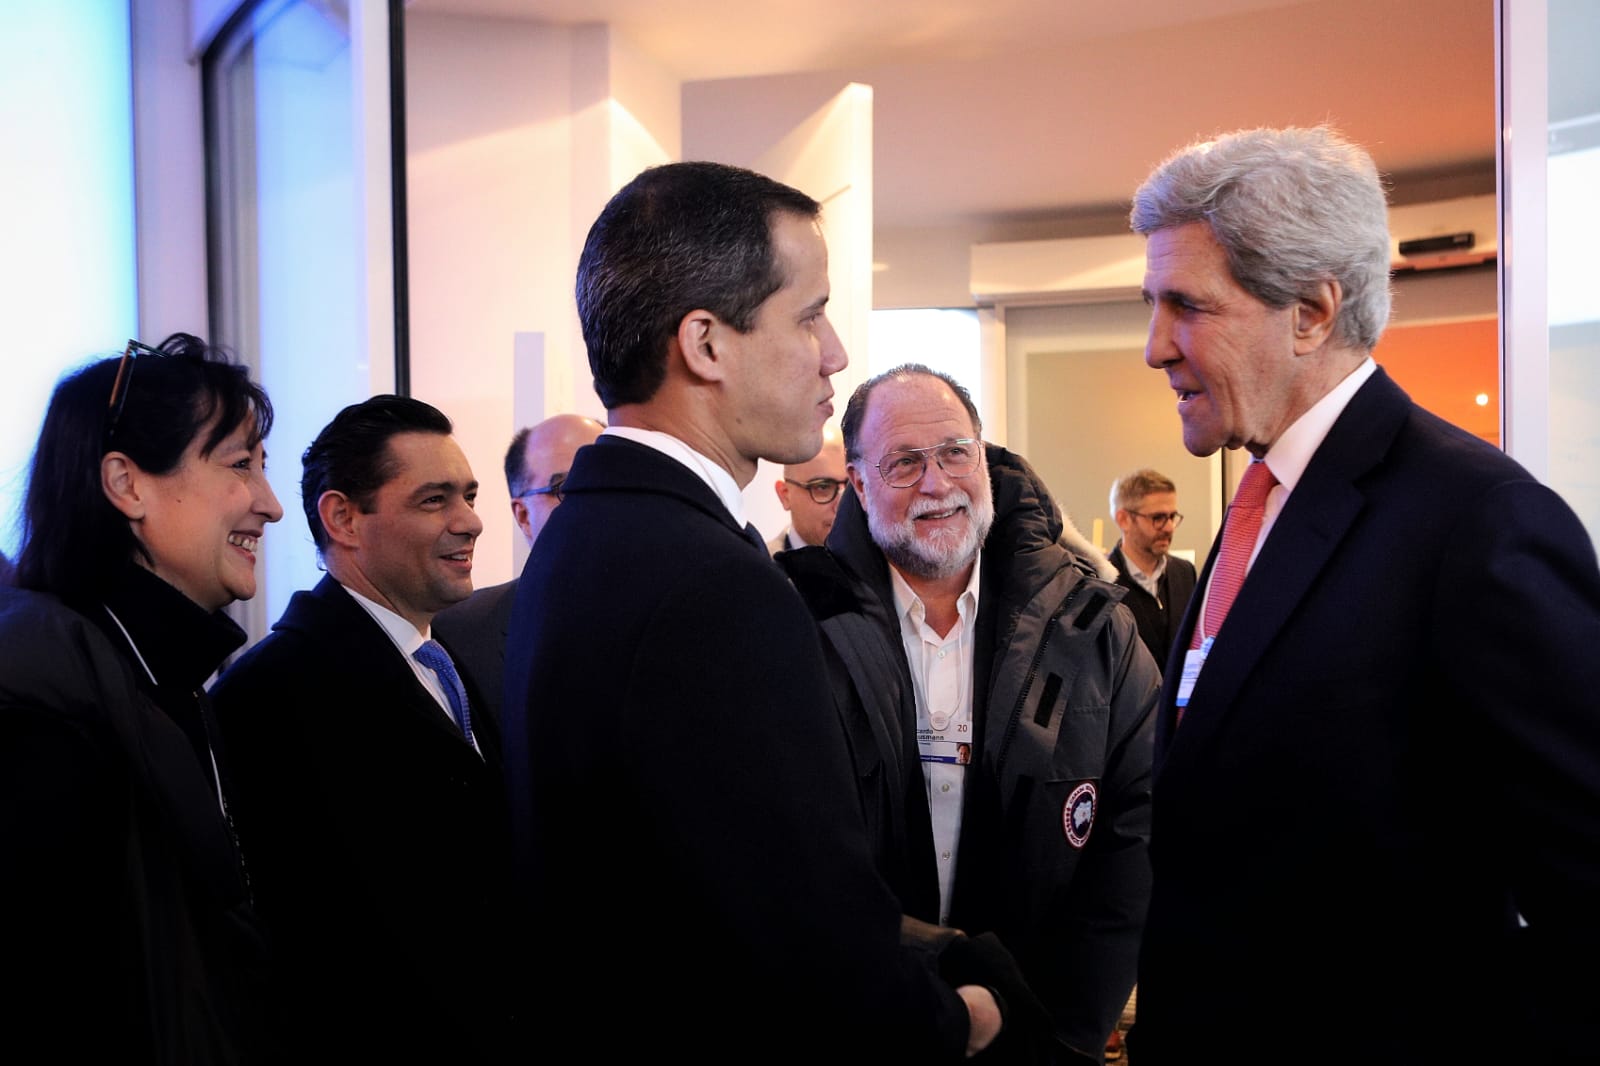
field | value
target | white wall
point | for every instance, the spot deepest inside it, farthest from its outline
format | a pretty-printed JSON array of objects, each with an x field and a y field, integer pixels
[
  {"x": 1085, "y": 410},
  {"x": 517, "y": 134},
  {"x": 206, "y": 18},
  {"x": 814, "y": 133},
  {"x": 169, "y": 173}
]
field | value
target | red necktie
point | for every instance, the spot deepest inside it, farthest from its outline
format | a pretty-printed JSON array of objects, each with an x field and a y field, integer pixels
[{"x": 1238, "y": 540}]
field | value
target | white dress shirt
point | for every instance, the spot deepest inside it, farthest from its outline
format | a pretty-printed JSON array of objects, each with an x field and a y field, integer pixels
[
  {"x": 941, "y": 676},
  {"x": 408, "y": 640},
  {"x": 1291, "y": 453},
  {"x": 1151, "y": 583}
]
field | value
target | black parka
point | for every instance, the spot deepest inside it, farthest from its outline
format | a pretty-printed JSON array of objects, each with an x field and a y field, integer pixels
[{"x": 1056, "y": 815}]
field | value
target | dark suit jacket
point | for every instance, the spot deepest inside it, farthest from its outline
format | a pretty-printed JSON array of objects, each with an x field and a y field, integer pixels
[
  {"x": 376, "y": 841},
  {"x": 126, "y": 930},
  {"x": 1158, "y": 620},
  {"x": 1392, "y": 753},
  {"x": 695, "y": 853},
  {"x": 475, "y": 632}
]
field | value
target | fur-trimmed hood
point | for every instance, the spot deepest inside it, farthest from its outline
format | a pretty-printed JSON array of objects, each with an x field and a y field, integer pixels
[{"x": 1022, "y": 502}]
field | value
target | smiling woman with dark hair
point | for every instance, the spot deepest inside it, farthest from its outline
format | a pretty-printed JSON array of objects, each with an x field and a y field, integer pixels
[{"x": 128, "y": 931}]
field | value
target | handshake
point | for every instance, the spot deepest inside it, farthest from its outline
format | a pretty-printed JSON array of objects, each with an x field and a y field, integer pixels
[{"x": 1027, "y": 1035}]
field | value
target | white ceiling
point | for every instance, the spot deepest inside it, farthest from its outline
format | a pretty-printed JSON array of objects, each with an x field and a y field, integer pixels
[{"x": 1057, "y": 108}]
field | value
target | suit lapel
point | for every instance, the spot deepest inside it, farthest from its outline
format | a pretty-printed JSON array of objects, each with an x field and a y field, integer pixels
[
  {"x": 1303, "y": 540},
  {"x": 331, "y": 617}
]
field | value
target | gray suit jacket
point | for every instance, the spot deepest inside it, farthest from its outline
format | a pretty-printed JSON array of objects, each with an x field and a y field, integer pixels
[{"x": 475, "y": 632}]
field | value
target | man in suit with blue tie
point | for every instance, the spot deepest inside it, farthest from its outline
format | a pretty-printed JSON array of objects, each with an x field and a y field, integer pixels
[
  {"x": 1377, "y": 806},
  {"x": 368, "y": 789}
]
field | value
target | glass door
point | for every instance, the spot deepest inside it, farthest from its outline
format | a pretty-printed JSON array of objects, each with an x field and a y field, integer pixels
[
  {"x": 301, "y": 189},
  {"x": 1550, "y": 226}
]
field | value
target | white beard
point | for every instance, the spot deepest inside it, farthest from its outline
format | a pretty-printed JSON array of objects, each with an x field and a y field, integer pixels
[{"x": 947, "y": 552}]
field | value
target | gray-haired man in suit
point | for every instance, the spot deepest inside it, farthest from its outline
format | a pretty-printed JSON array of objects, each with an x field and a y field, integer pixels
[{"x": 1379, "y": 763}]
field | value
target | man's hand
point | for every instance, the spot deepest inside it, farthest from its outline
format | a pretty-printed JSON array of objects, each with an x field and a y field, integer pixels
[{"x": 984, "y": 1014}]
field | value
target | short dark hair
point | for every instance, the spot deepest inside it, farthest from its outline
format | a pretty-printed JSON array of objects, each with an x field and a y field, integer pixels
[
  {"x": 676, "y": 238},
  {"x": 855, "y": 412},
  {"x": 1131, "y": 488},
  {"x": 351, "y": 455},
  {"x": 517, "y": 463},
  {"x": 74, "y": 538}
]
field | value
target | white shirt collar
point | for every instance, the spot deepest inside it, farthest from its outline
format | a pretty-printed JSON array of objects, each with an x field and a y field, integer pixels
[
  {"x": 908, "y": 604},
  {"x": 1161, "y": 567},
  {"x": 1151, "y": 583},
  {"x": 1291, "y": 453},
  {"x": 408, "y": 640},
  {"x": 402, "y": 632},
  {"x": 705, "y": 468}
]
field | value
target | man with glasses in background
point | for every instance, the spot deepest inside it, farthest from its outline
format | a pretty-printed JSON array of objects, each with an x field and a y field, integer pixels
[
  {"x": 536, "y": 465},
  {"x": 998, "y": 697},
  {"x": 809, "y": 491},
  {"x": 1144, "y": 505}
]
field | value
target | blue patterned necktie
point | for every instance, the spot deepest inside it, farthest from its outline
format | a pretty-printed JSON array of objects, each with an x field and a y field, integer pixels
[{"x": 433, "y": 656}]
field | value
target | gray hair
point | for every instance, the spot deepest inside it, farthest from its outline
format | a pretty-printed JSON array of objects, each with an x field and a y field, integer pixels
[
  {"x": 1291, "y": 208},
  {"x": 1131, "y": 488}
]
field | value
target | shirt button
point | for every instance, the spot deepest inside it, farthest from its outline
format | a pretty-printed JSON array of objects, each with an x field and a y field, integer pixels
[
  {"x": 941, "y": 653},
  {"x": 945, "y": 856},
  {"x": 944, "y": 788}
]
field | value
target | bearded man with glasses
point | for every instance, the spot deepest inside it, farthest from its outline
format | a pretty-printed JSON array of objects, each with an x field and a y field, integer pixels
[
  {"x": 998, "y": 696},
  {"x": 1144, "y": 505}
]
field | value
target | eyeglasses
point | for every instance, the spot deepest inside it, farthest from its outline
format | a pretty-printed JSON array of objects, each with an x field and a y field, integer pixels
[
  {"x": 1161, "y": 518},
  {"x": 904, "y": 468},
  {"x": 119, "y": 387},
  {"x": 820, "y": 489},
  {"x": 556, "y": 488}
]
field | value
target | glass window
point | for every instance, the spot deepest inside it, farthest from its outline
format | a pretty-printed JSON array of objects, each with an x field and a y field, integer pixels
[
  {"x": 1572, "y": 177},
  {"x": 67, "y": 278},
  {"x": 290, "y": 274}
]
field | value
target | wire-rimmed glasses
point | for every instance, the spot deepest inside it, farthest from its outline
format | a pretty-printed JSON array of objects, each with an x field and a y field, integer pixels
[{"x": 904, "y": 467}]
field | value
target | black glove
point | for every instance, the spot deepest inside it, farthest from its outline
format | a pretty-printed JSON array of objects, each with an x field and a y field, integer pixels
[{"x": 1028, "y": 1034}]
